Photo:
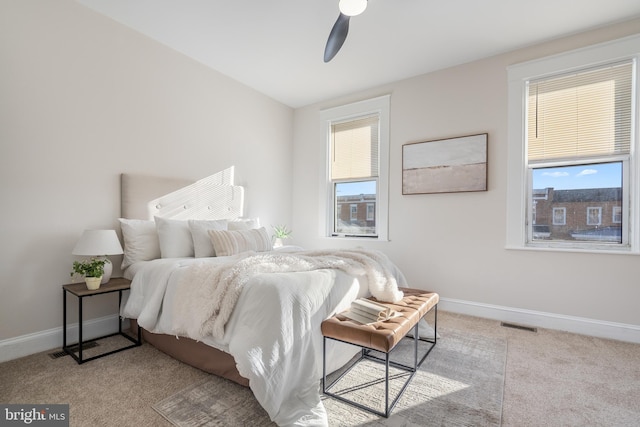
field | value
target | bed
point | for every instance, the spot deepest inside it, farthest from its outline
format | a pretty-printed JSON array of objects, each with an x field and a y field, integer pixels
[{"x": 209, "y": 289}]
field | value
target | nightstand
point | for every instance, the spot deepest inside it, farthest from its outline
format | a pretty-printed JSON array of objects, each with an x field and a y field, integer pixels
[{"x": 80, "y": 290}]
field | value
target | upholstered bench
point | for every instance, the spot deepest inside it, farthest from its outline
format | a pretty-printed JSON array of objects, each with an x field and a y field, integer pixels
[{"x": 383, "y": 336}]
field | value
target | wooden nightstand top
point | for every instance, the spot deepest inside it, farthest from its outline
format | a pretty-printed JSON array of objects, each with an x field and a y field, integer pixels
[{"x": 115, "y": 284}]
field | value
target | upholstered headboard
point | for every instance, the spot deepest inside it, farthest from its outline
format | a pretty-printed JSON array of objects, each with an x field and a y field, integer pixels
[{"x": 143, "y": 197}]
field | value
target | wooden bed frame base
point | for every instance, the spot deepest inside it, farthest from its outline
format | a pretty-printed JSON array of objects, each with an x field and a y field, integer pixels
[{"x": 196, "y": 354}]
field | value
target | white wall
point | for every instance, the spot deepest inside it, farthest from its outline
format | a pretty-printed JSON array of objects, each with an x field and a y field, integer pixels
[
  {"x": 454, "y": 244},
  {"x": 83, "y": 99}
]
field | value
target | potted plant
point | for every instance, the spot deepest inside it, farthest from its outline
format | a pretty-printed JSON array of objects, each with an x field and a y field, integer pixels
[
  {"x": 91, "y": 269},
  {"x": 280, "y": 233}
]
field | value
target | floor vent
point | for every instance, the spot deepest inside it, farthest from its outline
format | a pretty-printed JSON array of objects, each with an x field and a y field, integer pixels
[
  {"x": 74, "y": 349},
  {"x": 57, "y": 354},
  {"x": 521, "y": 327}
]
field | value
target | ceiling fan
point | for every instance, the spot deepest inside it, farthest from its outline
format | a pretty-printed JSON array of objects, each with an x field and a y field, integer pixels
[{"x": 338, "y": 34}]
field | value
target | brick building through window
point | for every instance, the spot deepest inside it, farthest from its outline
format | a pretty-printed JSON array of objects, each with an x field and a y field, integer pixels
[
  {"x": 356, "y": 212},
  {"x": 592, "y": 214}
]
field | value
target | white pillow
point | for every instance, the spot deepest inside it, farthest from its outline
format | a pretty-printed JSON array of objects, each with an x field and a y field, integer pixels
[
  {"x": 140, "y": 241},
  {"x": 202, "y": 246},
  {"x": 233, "y": 242},
  {"x": 243, "y": 224},
  {"x": 175, "y": 238}
]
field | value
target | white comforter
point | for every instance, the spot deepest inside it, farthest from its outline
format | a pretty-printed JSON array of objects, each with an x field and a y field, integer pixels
[{"x": 273, "y": 333}]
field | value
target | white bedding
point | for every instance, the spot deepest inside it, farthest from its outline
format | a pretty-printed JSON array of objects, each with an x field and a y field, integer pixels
[{"x": 273, "y": 332}]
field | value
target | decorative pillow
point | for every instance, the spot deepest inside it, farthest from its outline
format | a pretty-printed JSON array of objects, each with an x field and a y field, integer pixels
[
  {"x": 140, "y": 241},
  {"x": 175, "y": 238},
  {"x": 202, "y": 246},
  {"x": 233, "y": 242},
  {"x": 243, "y": 224}
]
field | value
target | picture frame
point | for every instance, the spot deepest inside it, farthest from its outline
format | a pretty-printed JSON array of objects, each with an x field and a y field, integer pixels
[{"x": 448, "y": 165}]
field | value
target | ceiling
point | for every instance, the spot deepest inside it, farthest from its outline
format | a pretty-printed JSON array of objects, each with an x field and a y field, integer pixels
[{"x": 277, "y": 46}]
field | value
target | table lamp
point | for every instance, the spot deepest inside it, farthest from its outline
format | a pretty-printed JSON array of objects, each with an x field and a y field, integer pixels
[{"x": 99, "y": 244}]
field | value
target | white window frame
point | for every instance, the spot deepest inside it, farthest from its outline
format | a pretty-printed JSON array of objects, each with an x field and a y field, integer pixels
[
  {"x": 518, "y": 178},
  {"x": 380, "y": 106}
]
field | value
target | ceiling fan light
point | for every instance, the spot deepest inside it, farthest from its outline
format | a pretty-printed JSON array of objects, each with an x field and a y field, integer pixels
[{"x": 352, "y": 7}]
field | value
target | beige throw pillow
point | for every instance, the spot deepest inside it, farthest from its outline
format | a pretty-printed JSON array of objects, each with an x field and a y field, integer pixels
[
  {"x": 231, "y": 242},
  {"x": 140, "y": 241}
]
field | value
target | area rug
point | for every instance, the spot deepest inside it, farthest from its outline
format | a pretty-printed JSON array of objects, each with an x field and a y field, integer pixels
[{"x": 459, "y": 384}]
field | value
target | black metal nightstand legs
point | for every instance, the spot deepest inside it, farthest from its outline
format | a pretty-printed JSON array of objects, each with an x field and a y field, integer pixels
[
  {"x": 64, "y": 318},
  {"x": 80, "y": 330},
  {"x": 79, "y": 357}
]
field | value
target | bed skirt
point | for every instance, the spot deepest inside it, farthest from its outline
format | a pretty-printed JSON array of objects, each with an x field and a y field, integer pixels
[{"x": 196, "y": 354}]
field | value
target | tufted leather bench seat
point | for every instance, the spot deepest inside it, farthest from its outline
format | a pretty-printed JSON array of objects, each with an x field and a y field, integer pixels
[{"x": 383, "y": 337}]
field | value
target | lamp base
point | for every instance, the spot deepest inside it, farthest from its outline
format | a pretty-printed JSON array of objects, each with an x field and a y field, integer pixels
[{"x": 108, "y": 269}]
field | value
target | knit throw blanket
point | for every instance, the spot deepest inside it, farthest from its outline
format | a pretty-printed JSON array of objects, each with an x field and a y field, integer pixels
[{"x": 207, "y": 295}]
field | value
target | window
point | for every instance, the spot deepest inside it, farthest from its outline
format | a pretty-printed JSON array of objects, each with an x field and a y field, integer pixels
[
  {"x": 617, "y": 215},
  {"x": 577, "y": 123},
  {"x": 576, "y": 197},
  {"x": 371, "y": 209},
  {"x": 573, "y": 138},
  {"x": 559, "y": 216},
  {"x": 594, "y": 216},
  {"x": 357, "y": 168}
]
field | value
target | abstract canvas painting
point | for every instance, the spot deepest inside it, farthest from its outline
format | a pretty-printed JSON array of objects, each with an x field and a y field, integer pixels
[{"x": 445, "y": 165}]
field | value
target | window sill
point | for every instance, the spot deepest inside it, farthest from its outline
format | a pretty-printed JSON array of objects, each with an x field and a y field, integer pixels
[
  {"x": 356, "y": 238},
  {"x": 599, "y": 250}
]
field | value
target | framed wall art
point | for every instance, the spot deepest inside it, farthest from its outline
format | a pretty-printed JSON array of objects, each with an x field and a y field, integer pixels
[{"x": 445, "y": 166}]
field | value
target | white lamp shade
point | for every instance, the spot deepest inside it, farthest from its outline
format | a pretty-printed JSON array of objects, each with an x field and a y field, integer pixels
[
  {"x": 352, "y": 7},
  {"x": 98, "y": 243}
]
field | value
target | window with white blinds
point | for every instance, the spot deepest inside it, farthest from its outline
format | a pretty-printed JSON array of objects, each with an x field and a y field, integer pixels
[
  {"x": 573, "y": 163},
  {"x": 579, "y": 140},
  {"x": 357, "y": 167},
  {"x": 581, "y": 115},
  {"x": 354, "y": 175}
]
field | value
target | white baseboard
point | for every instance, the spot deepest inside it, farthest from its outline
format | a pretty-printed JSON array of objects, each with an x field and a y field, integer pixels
[
  {"x": 539, "y": 319},
  {"x": 51, "y": 339},
  {"x": 25, "y": 345}
]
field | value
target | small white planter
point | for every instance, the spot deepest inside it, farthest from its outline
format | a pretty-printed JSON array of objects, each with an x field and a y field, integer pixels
[{"x": 93, "y": 283}]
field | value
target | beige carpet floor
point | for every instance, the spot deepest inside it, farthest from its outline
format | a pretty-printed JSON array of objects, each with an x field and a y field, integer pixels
[
  {"x": 460, "y": 383},
  {"x": 551, "y": 379}
]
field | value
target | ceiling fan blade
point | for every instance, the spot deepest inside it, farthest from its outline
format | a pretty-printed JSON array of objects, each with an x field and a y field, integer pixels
[{"x": 337, "y": 36}]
